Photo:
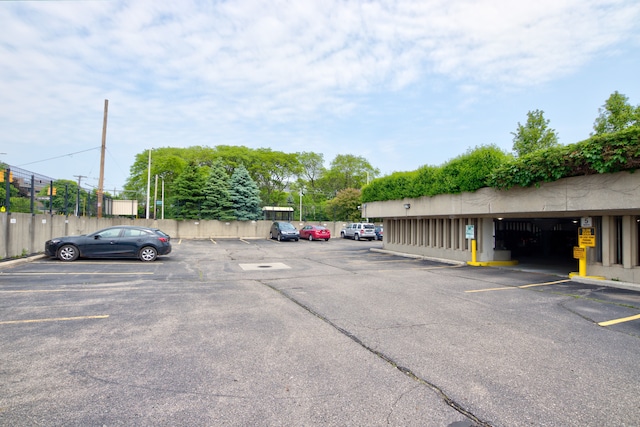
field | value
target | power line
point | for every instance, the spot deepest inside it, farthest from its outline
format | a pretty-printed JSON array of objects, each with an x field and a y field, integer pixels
[{"x": 64, "y": 155}]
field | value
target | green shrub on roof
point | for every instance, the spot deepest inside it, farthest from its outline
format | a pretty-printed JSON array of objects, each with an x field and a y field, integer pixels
[{"x": 489, "y": 166}]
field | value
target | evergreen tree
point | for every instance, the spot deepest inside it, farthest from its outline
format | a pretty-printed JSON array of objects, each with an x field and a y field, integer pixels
[
  {"x": 188, "y": 192},
  {"x": 217, "y": 197},
  {"x": 245, "y": 195}
]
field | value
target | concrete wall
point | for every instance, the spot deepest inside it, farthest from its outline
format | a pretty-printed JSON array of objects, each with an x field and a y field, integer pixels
[
  {"x": 424, "y": 226},
  {"x": 23, "y": 234}
]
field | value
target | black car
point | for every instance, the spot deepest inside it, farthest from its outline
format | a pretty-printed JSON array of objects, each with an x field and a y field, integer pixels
[
  {"x": 120, "y": 241},
  {"x": 282, "y": 230}
]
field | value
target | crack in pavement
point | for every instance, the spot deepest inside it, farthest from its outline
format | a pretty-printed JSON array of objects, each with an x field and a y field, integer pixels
[{"x": 408, "y": 372}]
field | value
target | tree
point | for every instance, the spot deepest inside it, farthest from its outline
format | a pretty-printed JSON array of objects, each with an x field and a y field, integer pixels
[
  {"x": 271, "y": 172},
  {"x": 348, "y": 171},
  {"x": 64, "y": 198},
  {"x": 217, "y": 198},
  {"x": 311, "y": 168},
  {"x": 188, "y": 192},
  {"x": 345, "y": 204},
  {"x": 616, "y": 114},
  {"x": 245, "y": 195},
  {"x": 167, "y": 163},
  {"x": 534, "y": 135}
]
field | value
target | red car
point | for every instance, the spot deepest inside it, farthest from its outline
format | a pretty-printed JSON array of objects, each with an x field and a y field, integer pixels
[{"x": 315, "y": 232}]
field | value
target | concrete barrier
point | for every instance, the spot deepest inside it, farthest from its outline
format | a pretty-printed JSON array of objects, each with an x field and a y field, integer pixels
[{"x": 24, "y": 234}]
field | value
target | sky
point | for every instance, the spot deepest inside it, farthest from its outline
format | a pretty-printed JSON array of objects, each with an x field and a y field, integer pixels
[{"x": 400, "y": 83}]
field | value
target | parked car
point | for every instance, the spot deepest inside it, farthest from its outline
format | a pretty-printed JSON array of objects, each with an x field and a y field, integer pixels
[
  {"x": 359, "y": 230},
  {"x": 315, "y": 232},
  {"x": 282, "y": 230},
  {"x": 113, "y": 242},
  {"x": 379, "y": 232}
]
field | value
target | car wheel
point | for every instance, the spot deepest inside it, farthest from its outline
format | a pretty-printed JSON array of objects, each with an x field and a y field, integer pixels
[
  {"x": 326, "y": 240},
  {"x": 310, "y": 238},
  {"x": 342, "y": 235},
  {"x": 68, "y": 253},
  {"x": 279, "y": 237},
  {"x": 148, "y": 253},
  {"x": 356, "y": 236},
  {"x": 270, "y": 235}
]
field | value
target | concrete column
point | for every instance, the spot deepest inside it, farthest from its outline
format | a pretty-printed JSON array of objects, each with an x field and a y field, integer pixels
[
  {"x": 606, "y": 241},
  {"x": 485, "y": 237},
  {"x": 627, "y": 233}
]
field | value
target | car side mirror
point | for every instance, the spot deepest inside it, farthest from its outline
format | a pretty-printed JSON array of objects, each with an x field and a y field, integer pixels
[{"x": 97, "y": 237}]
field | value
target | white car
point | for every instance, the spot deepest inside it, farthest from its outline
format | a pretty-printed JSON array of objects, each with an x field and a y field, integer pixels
[{"x": 359, "y": 230}]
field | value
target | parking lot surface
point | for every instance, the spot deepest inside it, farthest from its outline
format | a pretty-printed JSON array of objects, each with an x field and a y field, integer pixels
[{"x": 265, "y": 333}]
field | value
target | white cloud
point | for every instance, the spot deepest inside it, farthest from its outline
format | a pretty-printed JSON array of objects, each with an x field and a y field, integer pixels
[{"x": 195, "y": 68}]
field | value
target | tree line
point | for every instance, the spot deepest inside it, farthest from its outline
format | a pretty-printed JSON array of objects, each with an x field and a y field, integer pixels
[{"x": 235, "y": 182}]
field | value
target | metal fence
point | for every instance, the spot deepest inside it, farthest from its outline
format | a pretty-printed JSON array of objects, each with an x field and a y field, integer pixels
[{"x": 29, "y": 192}]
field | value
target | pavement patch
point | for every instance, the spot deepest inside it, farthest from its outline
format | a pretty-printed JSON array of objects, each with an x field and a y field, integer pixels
[{"x": 264, "y": 266}]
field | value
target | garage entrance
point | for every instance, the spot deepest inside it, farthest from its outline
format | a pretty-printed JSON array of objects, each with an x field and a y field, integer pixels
[{"x": 541, "y": 241}]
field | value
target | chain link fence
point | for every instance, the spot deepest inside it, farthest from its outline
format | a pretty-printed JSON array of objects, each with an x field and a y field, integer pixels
[{"x": 28, "y": 192}]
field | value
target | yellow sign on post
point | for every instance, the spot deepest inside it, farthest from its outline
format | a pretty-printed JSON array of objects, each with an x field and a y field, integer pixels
[
  {"x": 579, "y": 253},
  {"x": 587, "y": 236}
]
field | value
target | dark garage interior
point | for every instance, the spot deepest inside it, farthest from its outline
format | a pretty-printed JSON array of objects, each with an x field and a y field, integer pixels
[{"x": 541, "y": 241}]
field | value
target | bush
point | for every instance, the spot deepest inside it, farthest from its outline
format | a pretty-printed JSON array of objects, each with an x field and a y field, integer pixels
[
  {"x": 467, "y": 172},
  {"x": 606, "y": 153}
]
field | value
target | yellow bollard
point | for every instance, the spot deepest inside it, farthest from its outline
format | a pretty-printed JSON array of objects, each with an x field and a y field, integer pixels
[
  {"x": 582, "y": 264},
  {"x": 474, "y": 256}
]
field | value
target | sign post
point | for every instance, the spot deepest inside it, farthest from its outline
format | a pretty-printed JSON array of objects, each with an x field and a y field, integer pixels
[
  {"x": 470, "y": 234},
  {"x": 586, "y": 239}
]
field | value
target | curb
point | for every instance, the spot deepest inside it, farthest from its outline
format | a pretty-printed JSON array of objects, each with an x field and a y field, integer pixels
[{"x": 20, "y": 261}]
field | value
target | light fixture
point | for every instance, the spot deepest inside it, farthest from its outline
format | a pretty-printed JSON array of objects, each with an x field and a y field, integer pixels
[{"x": 407, "y": 205}]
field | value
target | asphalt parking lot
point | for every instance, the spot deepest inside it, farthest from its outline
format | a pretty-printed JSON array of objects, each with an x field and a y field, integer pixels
[{"x": 266, "y": 333}]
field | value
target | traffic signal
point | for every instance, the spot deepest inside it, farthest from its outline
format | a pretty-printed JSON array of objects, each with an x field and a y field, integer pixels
[
  {"x": 3, "y": 172},
  {"x": 49, "y": 191}
]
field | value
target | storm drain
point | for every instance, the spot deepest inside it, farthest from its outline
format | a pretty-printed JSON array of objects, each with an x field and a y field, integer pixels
[{"x": 264, "y": 266}]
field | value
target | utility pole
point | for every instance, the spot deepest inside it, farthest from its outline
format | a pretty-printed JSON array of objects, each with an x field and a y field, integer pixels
[{"x": 104, "y": 146}]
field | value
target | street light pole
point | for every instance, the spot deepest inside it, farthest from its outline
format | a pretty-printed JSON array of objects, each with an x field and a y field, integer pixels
[
  {"x": 148, "y": 183},
  {"x": 301, "y": 193}
]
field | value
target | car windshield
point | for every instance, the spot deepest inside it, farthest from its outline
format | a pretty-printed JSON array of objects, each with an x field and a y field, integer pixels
[
  {"x": 368, "y": 226},
  {"x": 286, "y": 226}
]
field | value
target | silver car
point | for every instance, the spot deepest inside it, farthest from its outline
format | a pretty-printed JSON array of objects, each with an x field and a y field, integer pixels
[{"x": 359, "y": 230}]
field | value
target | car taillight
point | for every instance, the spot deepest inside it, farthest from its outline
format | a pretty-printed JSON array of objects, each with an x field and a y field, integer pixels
[{"x": 163, "y": 239}]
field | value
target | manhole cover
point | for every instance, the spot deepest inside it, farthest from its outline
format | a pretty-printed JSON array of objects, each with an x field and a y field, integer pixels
[{"x": 264, "y": 265}]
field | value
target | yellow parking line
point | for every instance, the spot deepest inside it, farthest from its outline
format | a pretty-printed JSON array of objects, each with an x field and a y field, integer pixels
[
  {"x": 28, "y": 273},
  {"x": 84, "y": 262},
  {"x": 35, "y": 291},
  {"x": 518, "y": 287},
  {"x": 505, "y": 288},
  {"x": 621, "y": 320},
  {"x": 55, "y": 319},
  {"x": 544, "y": 284}
]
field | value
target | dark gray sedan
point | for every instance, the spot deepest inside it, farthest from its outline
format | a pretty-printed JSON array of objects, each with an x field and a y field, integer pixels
[{"x": 113, "y": 242}]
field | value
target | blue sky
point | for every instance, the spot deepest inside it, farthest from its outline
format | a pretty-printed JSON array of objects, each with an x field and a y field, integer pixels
[{"x": 400, "y": 83}]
